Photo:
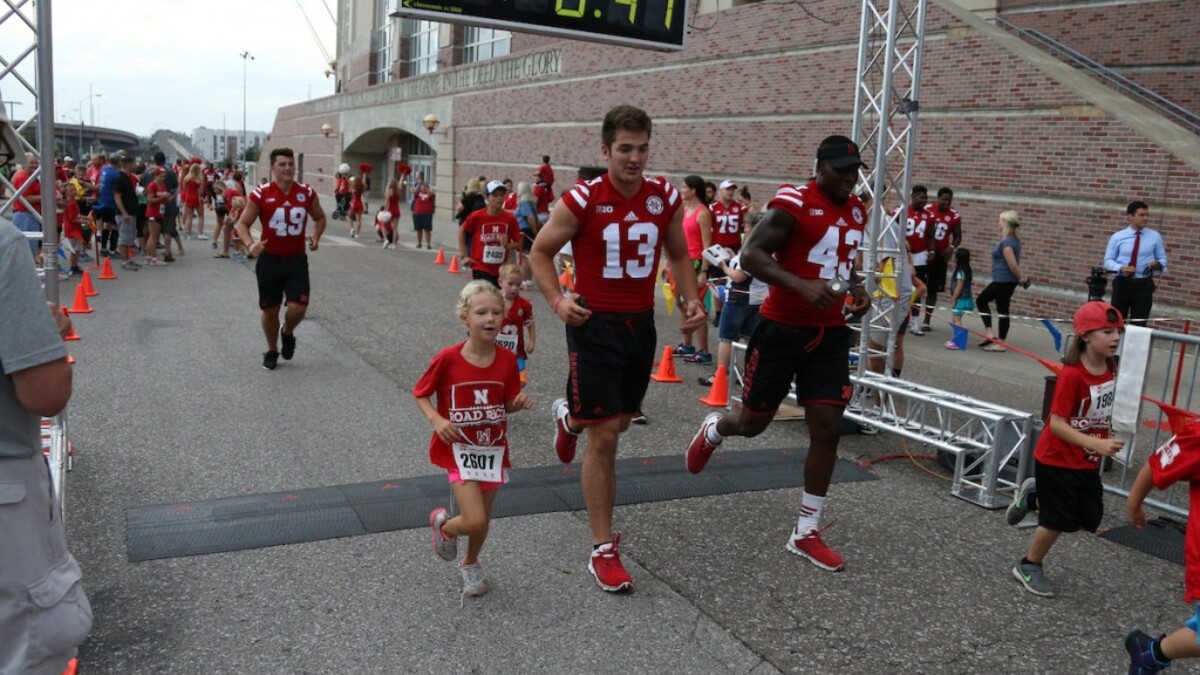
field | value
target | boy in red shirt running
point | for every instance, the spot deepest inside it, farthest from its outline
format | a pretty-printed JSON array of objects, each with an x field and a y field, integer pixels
[
  {"x": 1177, "y": 460},
  {"x": 518, "y": 334},
  {"x": 487, "y": 236}
]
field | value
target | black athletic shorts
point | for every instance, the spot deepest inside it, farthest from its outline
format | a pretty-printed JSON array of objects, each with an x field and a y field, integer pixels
[
  {"x": 922, "y": 273},
  {"x": 815, "y": 358},
  {"x": 1069, "y": 500},
  {"x": 282, "y": 277},
  {"x": 936, "y": 273},
  {"x": 610, "y": 361},
  {"x": 105, "y": 216},
  {"x": 480, "y": 275}
]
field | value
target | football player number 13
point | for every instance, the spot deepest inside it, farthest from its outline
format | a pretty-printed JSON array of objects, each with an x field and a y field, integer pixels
[
  {"x": 288, "y": 221},
  {"x": 580, "y": 7},
  {"x": 641, "y": 265}
]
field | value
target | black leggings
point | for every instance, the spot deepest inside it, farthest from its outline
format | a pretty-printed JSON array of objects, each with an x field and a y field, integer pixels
[{"x": 1001, "y": 292}]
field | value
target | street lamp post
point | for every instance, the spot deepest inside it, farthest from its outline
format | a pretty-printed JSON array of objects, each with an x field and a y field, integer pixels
[{"x": 246, "y": 56}]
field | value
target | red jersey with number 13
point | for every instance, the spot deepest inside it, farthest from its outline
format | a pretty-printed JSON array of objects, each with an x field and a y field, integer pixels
[
  {"x": 284, "y": 216},
  {"x": 619, "y": 241},
  {"x": 822, "y": 246}
]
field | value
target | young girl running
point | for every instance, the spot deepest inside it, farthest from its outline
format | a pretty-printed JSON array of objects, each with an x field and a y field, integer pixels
[
  {"x": 1066, "y": 490},
  {"x": 475, "y": 385},
  {"x": 960, "y": 296},
  {"x": 518, "y": 334}
]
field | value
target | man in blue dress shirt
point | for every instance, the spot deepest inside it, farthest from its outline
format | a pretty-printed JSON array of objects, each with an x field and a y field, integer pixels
[{"x": 1137, "y": 255}]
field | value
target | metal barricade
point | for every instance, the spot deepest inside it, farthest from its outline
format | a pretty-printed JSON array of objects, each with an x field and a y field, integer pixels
[
  {"x": 1170, "y": 377},
  {"x": 982, "y": 437},
  {"x": 59, "y": 456}
]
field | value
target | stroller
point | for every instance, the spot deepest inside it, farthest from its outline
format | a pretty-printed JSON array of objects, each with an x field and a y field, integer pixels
[{"x": 343, "y": 206}]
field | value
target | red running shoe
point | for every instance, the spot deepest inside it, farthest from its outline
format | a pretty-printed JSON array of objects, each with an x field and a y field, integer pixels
[
  {"x": 700, "y": 449},
  {"x": 564, "y": 439},
  {"x": 605, "y": 565},
  {"x": 812, "y": 547}
]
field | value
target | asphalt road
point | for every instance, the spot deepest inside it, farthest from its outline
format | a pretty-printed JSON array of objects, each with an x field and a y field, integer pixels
[{"x": 172, "y": 405}]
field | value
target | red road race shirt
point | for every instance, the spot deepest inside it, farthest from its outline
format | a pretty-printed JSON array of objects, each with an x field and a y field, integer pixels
[
  {"x": 154, "y": 209},
  {"x": 34, "y": 190},
  {"x": 619, "y": 241},
  {"x": 1179, "y": 460},
  {"x": 487, "y": 237},
  {"x": 1085, "y": 401},
  {"x": 822, "y": 246},
  {"x": 916, "y": 234},
  {"x": 727, "y": 224},
  {"x": 284, "y": 216},
  {"x": 943, "y": 222},
  {"x": 422, "y": 203},
  {"x": 472, "y": 398},
  {"x": 512, "y": 331}
]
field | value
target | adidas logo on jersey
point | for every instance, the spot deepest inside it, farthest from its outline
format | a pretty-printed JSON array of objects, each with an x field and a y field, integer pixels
[
  {"x": 630, "y": 217},
  {"x": 841, "y": 222}
]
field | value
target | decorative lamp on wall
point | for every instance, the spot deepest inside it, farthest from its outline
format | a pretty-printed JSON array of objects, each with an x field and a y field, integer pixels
[
  {"x": 431, "y": 122},
  {"x": 327, "y": 129}
]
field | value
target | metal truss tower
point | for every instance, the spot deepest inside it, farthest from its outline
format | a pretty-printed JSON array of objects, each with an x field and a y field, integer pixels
[
  {"x": 886, "y": 101},
  {"x": 26, "y": 25},
  {"x": 982, "y": 437}
]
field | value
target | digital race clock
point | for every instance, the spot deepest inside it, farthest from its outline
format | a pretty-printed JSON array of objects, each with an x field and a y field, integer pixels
[{"x": 649, "y": 24}]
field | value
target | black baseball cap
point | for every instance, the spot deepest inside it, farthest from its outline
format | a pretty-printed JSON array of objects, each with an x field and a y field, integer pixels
[{"x": 840, "y": 152}]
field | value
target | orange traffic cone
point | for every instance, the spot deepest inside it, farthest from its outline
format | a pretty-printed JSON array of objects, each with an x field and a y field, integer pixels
[
  {"x": 106, "y": 272},
  {"x": 72, "y": 336},
  {"x": 81, "y": 303},
  {"x": 666, "y": 368},
  {"x": 718, "y": 393},
  {"x": 72, "y": 667},
  {"x": 453, "y": 269},
  {"x": 441, "y": 257},
  {"x": 88, "y": 289}
]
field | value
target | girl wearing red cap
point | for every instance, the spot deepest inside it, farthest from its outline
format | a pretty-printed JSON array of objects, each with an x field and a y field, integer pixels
[{"x": 1066, "y": 490}]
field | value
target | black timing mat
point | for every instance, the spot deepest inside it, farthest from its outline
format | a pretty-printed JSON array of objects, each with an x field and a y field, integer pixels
[
  {"x": 1161, "y": 538},
  {"x": 255, "y": 521}
]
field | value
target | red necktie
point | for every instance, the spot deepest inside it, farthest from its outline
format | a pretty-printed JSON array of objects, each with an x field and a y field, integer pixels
[{"x": 1137, "y": 242}]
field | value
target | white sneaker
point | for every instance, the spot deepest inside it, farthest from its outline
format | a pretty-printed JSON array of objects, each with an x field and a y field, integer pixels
[
  {"x": 445, "y": 548},
  {"x": 474, "y": 585}
]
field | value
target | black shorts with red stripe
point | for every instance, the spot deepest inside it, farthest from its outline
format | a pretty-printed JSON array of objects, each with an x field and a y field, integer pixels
[
  {"x": 610, "y": 361},
  {"x": 815, "y": 358}
]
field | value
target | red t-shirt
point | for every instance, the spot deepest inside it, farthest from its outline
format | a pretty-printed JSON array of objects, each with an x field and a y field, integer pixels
[
  {"x": 422, "y": 203},
  {"x": 210, "y": 177},
  {"x": 70, "y": 216},
  {"x": 943, "y": 223},
  {"x": 822, "y": 246},
  {"x": 510, "y": 202},
  {"x": 1085, "y": 401},
  {"x": 547, "y": 174},
  {"x": 284, "y": 216},
  {"x": 512, "y": 331},
  {"x": 727, "y": 224},
  {"x": 471, "y": 397},
  {"x": 34, "y": 190},
  {"x": 1178, "y": 460},
  {"x": 619, "y": 241},
  {"x": 544, "y": 195},
  {"x": 229, "y": 195},
  {"x": 487, "y": 236},
  {"x": 915, "y": 233},
  {"x": 154, "y": 208}
]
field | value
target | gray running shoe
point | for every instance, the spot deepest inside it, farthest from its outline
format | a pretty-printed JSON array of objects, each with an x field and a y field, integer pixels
[
  {"x": 1033, "y": 579},
  {"x": 446, "y": 548},
  {"x": 1022, "y": 502},
  {"x": 474, "y": 585}
]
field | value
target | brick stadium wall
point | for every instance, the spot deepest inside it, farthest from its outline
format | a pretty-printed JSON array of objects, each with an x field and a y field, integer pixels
[
  {"x": 1158, "y": 34},
  {"x": 750, "y": 102}
]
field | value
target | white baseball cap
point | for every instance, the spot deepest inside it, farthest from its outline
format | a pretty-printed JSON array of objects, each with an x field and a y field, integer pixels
[
  {"x": 495, "y": 185},
  {"x": 726, "y": 184}
]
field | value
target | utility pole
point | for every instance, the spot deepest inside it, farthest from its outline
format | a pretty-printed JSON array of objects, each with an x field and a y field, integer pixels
[{"x": 246, "y": 56}]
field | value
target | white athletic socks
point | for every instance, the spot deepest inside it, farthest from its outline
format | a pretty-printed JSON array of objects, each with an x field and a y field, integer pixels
[
  {"x": 712, "y": 436},
  {"x": 810, "y": 513}
]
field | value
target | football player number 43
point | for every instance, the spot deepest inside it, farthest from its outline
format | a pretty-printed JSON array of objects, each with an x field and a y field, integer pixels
[
  {"x": 288, "y": 222},
  {"x": 641, "y": 265},
  {"x": 825, "y": 252}
]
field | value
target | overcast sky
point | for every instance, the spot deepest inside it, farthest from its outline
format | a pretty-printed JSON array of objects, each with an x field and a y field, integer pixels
[{"x": 175, "y": 64}]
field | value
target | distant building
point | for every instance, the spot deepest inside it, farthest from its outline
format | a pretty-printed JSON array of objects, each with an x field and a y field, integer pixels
[{"x": 218, "y": 144}]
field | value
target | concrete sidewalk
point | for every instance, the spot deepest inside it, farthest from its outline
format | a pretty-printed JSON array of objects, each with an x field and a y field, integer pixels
[{"x": 172, "y": 405}]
